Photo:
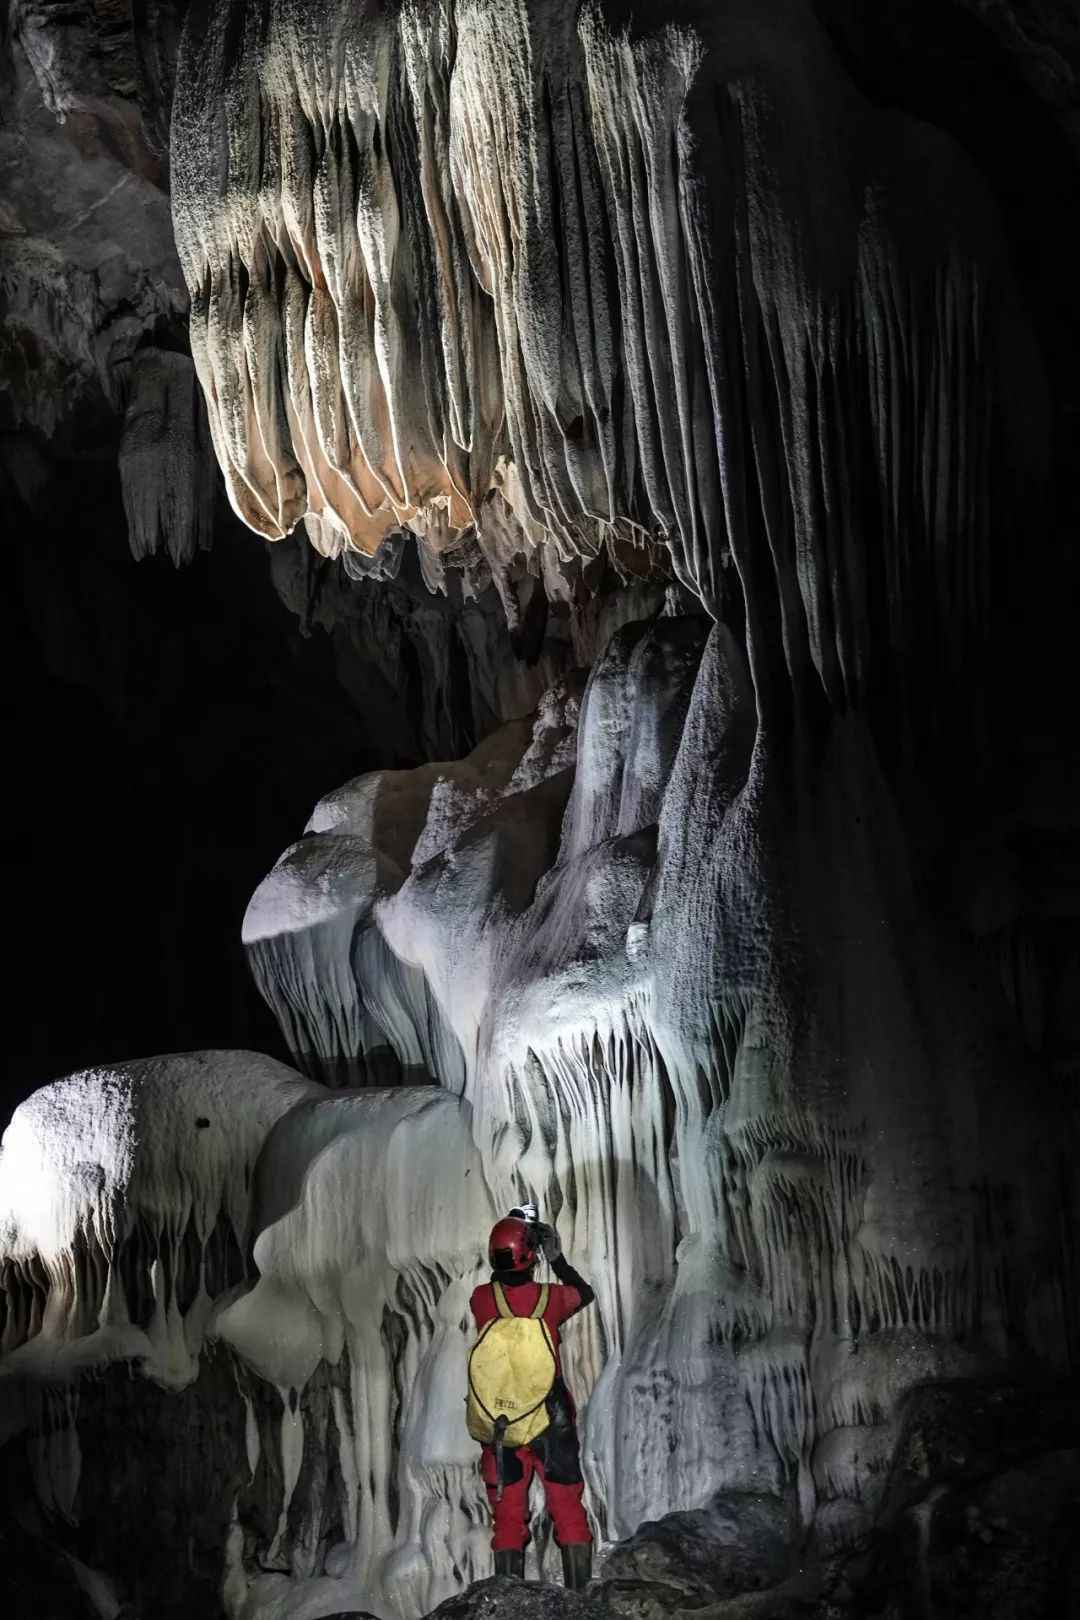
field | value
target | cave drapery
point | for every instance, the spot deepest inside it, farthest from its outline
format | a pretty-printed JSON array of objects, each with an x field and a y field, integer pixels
[{"x": 653, "y": 418}]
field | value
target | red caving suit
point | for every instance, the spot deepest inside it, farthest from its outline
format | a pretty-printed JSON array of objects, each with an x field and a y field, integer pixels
[{"x": 554, "y": 1455}]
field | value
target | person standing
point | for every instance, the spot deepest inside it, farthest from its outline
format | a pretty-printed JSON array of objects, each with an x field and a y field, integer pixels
[{"x": 519, "y": 1406}]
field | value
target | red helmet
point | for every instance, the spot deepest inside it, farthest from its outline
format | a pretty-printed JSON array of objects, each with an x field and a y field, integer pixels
[{"x": 512, "y": 1245}]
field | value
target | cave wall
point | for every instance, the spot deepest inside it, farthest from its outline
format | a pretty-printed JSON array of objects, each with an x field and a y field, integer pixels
[
  {"x": 698, "y": 1012},
  {"x": 675, "y": 446},
  {"x": 774, "y": 344}
]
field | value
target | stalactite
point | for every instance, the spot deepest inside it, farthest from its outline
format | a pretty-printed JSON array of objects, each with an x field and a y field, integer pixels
[
  {"x": 166, "y": 465},
  {"x": 653, "y": 312}
]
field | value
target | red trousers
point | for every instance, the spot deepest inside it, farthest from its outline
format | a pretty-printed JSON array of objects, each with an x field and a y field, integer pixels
[{"x": 510, "y": 1514}]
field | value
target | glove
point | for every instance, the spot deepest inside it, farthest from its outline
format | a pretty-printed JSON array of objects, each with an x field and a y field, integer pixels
[{"x": 549, "y": 1242}]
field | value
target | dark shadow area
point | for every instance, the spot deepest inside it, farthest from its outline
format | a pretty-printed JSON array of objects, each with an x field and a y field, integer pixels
[
  {"x": 949, "y": 65},
  {"x": 170, "y": 732}
]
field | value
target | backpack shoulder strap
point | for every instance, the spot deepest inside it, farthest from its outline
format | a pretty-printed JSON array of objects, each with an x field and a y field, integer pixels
[
  {"x": 502, "y": 1304},
  {"x": 541, "y": 1304}
]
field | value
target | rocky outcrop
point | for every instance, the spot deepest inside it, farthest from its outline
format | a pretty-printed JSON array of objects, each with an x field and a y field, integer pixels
[{"x": 88, "y": 269}]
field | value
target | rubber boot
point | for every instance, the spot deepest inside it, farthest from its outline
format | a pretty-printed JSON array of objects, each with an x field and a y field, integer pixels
[
  {"x": 510, "y": 1561},
  {"x": 577, "y": 1564}
]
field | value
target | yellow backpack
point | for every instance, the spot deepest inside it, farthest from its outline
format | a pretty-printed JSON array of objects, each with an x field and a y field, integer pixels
[{"x": 511, "y": 1371}]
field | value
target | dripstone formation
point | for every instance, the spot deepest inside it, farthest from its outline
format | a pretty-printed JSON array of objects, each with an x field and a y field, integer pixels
[{"x": 653, "y": 416}]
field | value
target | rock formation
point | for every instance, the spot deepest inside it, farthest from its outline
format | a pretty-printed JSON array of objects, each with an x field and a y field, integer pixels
[{"x": 650, "y": 418}]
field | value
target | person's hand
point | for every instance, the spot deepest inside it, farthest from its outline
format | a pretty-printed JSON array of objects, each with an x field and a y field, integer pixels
[{"x": 549, "y": 1242}]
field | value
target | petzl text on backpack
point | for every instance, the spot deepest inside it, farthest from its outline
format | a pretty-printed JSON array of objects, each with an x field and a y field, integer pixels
[{"x": 511, "y": 1371}]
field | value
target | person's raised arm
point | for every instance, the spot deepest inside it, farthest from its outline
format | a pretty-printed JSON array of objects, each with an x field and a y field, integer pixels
[{"x": 561, "y": 1266}]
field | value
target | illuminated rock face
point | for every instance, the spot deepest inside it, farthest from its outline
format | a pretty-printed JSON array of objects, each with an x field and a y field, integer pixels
[
  {"x": 125, "y": 1209},
  {"x": 704, "y": 1023},
  {"x": 666, "y": 288},
  {"x": 512, "y": 278},
  {"x": 163, "y": 1214},
  {"x": 374, "y": 1213}
]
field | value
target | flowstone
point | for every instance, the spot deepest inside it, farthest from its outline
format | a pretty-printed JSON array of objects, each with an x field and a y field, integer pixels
[{"x": 706, "y": 1025}]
